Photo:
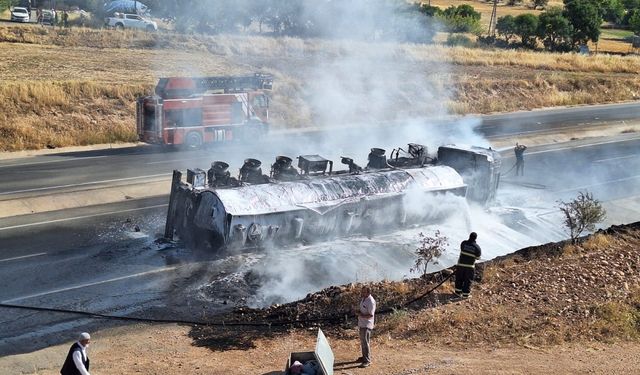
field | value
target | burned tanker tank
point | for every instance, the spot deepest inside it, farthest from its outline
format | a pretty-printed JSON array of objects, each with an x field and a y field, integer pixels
[{"x": 212, "y": 209}]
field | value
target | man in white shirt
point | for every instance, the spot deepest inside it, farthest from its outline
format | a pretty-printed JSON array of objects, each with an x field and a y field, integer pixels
[
  {"x": 77, "y": 362},
  {"x": 366, "y": 312}
]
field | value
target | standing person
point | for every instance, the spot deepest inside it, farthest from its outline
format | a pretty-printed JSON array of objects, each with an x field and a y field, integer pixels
[
  {"x": 519, "y": 151},
  {"x": 366, "y": 312},
  {"x": 469, "y": 253},
  {"x": 77, "y": 361},
  {"x": 65, "y": 19}
]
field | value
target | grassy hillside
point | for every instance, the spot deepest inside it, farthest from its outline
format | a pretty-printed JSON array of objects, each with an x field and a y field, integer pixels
[{"x": 78, "y": 86}]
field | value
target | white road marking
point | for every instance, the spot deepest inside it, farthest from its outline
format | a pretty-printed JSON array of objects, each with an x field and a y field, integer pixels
[
  {"x": 618, "y": 158},
  {"x": 84, "y": 184},
  {"x": 81, "y": 217},
  {"x": 22, "y": 257},
  {"x": 598, "y": 184},
  {"x": 569, "y": 147},
  {"x": 171, "y": 161},
  {"x": 50, "y": 161},
  {"x": 89, "y": 284}
]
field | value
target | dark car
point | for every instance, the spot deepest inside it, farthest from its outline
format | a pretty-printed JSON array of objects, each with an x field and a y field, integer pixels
[{"x": 47, "y": 17}]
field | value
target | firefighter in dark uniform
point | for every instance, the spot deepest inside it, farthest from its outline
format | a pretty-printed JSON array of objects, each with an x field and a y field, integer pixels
[
  {"x": 519, "y": 151},
  {"x": 469, "y": 253}
]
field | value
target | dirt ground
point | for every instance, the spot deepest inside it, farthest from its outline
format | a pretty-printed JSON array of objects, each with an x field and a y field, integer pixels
[{"x": 168, "y": 350}]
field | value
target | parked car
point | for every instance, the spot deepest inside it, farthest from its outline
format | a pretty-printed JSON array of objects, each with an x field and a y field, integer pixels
[
  {"x": 19, "y": 14},
  {"x": 130, "y": 21},
  {"x": 48, "y": 17}
]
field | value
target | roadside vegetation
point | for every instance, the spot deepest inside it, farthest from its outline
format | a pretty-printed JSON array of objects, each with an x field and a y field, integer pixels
[
  {"x": 547, "y": 295},
  {"x": 44, "y": 67}
]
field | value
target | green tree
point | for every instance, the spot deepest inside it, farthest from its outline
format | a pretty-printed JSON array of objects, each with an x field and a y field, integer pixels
[
  {"x": 506, "y": 27},
  {"x": 612, "y": 10},
  {"x": 539, "y": 4},
  {"x": 6, "y": 4},
  {"x": 461, "y": 19},
  {"x": 526, "y": 27},
  {"x": 555, "y": 30},
  {"x": 585, "y": 18},
  {"x": 634, "y": 21},
  {"x": 582, "y": 213},
  {"x": 429, "y": 10}
]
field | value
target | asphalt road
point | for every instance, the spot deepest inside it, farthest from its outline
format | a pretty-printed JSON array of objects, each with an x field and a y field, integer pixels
[
  {"x": 104, "y": 259},
  {"x": 74, "y": 171}
]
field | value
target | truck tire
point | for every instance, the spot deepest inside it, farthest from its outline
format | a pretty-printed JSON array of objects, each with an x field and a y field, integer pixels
[
  {"x": 150, "y": 28},
  {"x": 119, "y": 26},
  {"x": 193, "y": 140}
]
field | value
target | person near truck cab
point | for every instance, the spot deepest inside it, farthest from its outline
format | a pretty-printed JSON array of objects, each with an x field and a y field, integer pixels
[
  {"x": 519, "y": 151},
  {"x": 465, "y": 269},
  {"x": 365, "y": 312}
]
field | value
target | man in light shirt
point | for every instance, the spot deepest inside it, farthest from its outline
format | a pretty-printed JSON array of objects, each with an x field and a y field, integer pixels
[
  {"x": 366, "y": 312},
  {"x": 77, "y": 362}
]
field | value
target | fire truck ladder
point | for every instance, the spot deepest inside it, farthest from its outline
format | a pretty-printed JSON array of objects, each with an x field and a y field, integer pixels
[
  {"x": 183, "y": 87},
  {"x": 257, "y": 81}
]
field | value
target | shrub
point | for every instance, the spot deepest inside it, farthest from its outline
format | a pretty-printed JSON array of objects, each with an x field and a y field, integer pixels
[
  {"x": 582, "y": 213},
  {"x": 431, "y": 248}
]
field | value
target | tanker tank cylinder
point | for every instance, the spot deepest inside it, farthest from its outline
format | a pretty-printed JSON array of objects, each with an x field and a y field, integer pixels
[
  {"x": 377, "y": 159},
  {"x": 218, "y": 174},
  {"x": 251, "y": 172},
  {"x": 353, "y": 167},
  {"x": 282, "y": 169},
  {"x": 197, "y": 178}
]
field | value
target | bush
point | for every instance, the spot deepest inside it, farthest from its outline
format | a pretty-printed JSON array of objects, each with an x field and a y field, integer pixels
[
  {"x": 459, "y": 40},
  {"x": 582, "y": 213},
  {"x": 431, "y": 248},
  {"x": 461, "y": 19}
]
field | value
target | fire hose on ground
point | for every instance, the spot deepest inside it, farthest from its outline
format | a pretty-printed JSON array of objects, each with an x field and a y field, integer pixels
[{"x": 333, "y": 318}]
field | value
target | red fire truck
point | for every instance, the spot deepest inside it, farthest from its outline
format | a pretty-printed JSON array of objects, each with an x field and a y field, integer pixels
[{"x": 194, "y": 111}]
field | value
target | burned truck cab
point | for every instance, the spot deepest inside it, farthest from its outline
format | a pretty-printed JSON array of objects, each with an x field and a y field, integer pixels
[{"x": 478, "y": 166}]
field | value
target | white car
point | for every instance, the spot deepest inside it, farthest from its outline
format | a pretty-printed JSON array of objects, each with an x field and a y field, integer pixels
[
  {"x": 19, "y": 14},
  {"x": 130, "y": 21}
]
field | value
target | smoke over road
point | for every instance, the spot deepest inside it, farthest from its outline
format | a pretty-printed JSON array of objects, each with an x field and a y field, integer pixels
[{"x": 369, "y": 82}]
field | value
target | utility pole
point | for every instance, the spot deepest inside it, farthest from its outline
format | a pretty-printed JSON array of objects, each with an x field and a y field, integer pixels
[{"x": 494, "y": 19}]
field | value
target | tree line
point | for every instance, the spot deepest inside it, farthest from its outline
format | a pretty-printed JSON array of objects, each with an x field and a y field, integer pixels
[
  {"x": 563, "y": 29},
  {"x": 556, "y": 28}
]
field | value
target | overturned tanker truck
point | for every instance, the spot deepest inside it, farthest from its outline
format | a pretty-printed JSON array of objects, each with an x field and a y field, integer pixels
[{"x": 212, "y": 209}]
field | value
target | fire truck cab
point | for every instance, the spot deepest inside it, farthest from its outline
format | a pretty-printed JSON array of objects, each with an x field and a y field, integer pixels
[{"x": 194, "y": 111}]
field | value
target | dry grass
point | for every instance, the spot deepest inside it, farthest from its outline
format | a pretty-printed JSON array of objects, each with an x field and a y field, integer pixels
[
  {"x": 95, "y": 75},
  {"x": 41, "y": 113},
  {"x": 529, "y": 302}
]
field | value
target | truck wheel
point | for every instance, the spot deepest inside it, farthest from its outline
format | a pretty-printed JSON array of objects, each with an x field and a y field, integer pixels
[
  {"x": 119, "y": 26},
  {"x": 193, "y": 140},
  {"x": 150, "y": 28}
]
